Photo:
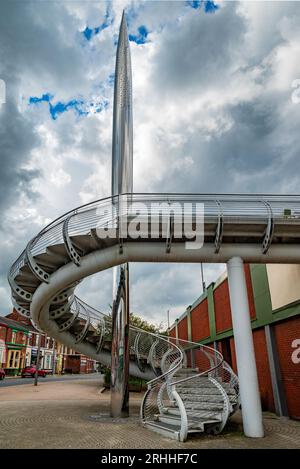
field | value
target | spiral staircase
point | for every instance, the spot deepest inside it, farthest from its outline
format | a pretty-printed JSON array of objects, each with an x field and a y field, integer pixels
[{"x": 190, "y": 387}]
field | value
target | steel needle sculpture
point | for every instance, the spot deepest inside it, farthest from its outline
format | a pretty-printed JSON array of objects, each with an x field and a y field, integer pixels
[{"x": 122, "y": 175}]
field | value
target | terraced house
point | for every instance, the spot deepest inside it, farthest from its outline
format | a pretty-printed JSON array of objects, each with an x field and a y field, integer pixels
[
  {"x": 13, "y": 344},
  {"x": 274, "y": 303},
  {"x": 19, "y": 342}
]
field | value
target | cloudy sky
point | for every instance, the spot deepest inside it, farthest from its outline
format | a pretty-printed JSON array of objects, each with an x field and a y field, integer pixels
[{"x": 216, "y": 109}]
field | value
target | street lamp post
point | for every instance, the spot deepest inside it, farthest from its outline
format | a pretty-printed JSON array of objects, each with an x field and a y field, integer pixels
[
  {"x": 38, "y": 360},
  {"x": 202, "y": 278}
]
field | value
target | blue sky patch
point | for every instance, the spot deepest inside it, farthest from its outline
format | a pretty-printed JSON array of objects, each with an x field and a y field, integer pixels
[
  {"x": 88, "y": 33},
  {"x": 45, "y": 98},
  {"x": 141, "y": 37},
  {"x": 79, "y": 106},
  {"x": 209, "y": 6}
]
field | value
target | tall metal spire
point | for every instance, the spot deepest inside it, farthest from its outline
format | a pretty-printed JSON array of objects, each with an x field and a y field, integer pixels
[
  {"x": 121, "y": 183},
  {"x": 122, "y": 117}
]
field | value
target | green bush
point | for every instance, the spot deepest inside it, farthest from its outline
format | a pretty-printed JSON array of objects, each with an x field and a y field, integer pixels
[{"x": 135, "y": 384}]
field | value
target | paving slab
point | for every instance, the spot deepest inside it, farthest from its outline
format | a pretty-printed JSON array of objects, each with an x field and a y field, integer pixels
[{"x": 75, "y": 414}]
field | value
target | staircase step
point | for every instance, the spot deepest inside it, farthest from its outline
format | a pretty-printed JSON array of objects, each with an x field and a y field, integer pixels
[
  {"x": 182, "y": 371},
  {"x": 49, "y": 261},
  {"x": 191, "y": 385},
  {"x": 58, "y": 250},
  {"x": 197, "y": 424},
  {"x": 165, "y": 429},
  {"x": 84, "y": 242},
  {"x": 216, "y": 416},
  {"x": 194, "y": 404},
  {"x": 204, "y": 397},
  {"x": 205, "y": 389},
  {"x": 169, "y": 419},
  {"x": 27, "y": 276}
]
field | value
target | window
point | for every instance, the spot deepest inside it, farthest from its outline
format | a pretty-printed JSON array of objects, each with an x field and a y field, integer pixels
[
  {"x": 2, "y": 350},
  {"x": 13, "y": 360}
]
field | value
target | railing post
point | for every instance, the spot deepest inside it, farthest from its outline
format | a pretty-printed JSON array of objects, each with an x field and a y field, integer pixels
[{"x": 246, "y": 365}]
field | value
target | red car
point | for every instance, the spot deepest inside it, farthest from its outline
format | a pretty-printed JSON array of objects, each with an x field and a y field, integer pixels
[
  {"x": 2, "y": 373},
  {"x": 30, "y": 371}
]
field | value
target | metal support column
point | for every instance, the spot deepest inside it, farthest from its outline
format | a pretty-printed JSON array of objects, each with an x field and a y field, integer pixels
[
  {"x": 277, "y": 384},
  {"x": 246, "y": 365}
]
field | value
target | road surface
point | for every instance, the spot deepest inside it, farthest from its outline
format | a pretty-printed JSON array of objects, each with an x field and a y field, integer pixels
[{"x": 16, "y": 381}]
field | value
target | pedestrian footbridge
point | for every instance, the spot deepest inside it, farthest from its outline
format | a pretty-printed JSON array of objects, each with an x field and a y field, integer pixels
[{"x": 190, "y": 387}]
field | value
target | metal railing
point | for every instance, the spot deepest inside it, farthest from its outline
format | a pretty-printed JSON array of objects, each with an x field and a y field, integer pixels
[
  {"x": 106, "y": 212},
  {"x": 177, "y": 364}
]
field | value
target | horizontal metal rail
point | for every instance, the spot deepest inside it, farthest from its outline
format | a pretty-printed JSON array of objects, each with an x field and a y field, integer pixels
[{"x": 234, "y": 209}]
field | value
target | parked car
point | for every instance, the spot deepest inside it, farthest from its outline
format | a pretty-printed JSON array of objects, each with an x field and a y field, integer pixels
[
  {"x": 30, "y": 371},
  {"x": 2, "y": 373}
]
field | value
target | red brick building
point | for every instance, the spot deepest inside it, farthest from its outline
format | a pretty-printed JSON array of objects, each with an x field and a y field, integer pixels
[
  {"x": 274, "y": 303},
  {"x": 13, "y": 343},
  {"x": 54, "y": 357}
]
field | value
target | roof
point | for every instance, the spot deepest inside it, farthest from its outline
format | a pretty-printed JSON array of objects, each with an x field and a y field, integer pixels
[{"x": 14, "y": 324}]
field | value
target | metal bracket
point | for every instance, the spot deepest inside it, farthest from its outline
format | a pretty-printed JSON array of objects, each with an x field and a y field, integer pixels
[
  {"x": 120, "y": 237},
  {"x": 151, "y": 357},
  {"x": 20, "y": 309},
  {"x": 67, "y": 324},
  {"x": 40, "y": 273},
  {"x": 268, "y": 235},
  {"x": 219, "y": 230},
  {"x": 95, "y": 238},
  {"x": 20, "y": 292},
  {"x": 170, "y": 230},
  {"x": 101, "y": 337},
  {"x": 63, "y": 296},
  {"x": 227, "y": 407},
  {"x": 80, "y": 337},
  {"x": 140, "y": 365},
  {"x": 58, "y": 312},
  {"x": 70, "y": 247}
]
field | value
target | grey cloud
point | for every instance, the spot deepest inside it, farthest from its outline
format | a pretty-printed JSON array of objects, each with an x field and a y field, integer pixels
[
  {"x": 17, "y": 138},
  {"x": 199, "y": 50}
]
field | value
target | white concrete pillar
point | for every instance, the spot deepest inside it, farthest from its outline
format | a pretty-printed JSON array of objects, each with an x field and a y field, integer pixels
[{"x": 246, "y": 365}]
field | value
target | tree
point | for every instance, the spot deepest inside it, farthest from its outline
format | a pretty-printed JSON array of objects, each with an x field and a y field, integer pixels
[{"x": 137, "y": 321}]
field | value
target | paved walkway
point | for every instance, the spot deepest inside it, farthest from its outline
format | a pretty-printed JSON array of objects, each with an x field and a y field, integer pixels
[{"x": 74, "y": 414}]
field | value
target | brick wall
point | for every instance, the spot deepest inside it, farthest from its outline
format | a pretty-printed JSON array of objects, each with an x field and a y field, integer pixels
[
  {"x": 222, "y": 307},
  {"x": 262, "y": 364},
  {"x": 200, "y": 322},
  {"x": 9, "y": 335},
  {"x": 2, "y": 333},
  {"x": 263, "y": 370},
  {"x": 222, "y": 303},
  {"x": 18, "y": 317},
  {"x": 182, "y": 329},
  {"x": 285, "y": 333}
]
